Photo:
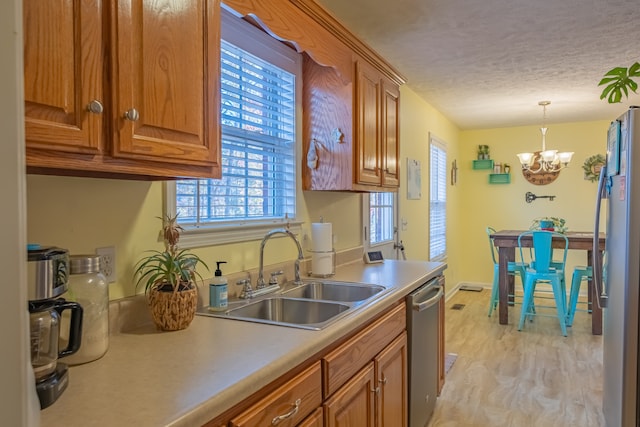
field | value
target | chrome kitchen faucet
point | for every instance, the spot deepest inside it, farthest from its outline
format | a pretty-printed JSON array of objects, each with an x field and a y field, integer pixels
[{"x": 261, "y": 284}]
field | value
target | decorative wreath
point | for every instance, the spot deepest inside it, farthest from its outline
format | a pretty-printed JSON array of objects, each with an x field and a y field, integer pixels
[{"x": 592, "y": 166}]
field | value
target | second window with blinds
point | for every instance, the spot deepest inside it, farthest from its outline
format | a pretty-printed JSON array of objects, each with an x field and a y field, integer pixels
[
  {"x": 259, "y": 91},
  {"x": 437, "y": 199}
]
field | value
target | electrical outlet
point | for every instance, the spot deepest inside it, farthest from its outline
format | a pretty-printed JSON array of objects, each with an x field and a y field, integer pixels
[{"x": 108, "y": 262}]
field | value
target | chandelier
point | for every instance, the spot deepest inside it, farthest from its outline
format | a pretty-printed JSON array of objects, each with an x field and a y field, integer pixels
[{"x": 545, "y": 160}]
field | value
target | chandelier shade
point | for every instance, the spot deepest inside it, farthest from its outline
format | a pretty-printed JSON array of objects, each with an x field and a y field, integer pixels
[{"x": 545, "y": 160}]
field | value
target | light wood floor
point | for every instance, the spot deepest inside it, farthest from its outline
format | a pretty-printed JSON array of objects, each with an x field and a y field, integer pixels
[{"x": 503, "y": 377}]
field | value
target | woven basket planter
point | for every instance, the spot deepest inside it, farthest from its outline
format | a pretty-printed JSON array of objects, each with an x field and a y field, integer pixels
[{"x": 172, "y": 311}]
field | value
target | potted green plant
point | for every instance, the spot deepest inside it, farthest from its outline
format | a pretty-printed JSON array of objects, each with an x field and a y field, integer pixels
[
  {"x": 619, "y": 80},
  {"x": 550, "y": 223},
  {"x": 169, "y": 279}
]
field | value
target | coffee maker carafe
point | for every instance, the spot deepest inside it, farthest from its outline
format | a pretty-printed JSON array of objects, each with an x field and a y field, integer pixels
[{"x": 48, "y": 274}]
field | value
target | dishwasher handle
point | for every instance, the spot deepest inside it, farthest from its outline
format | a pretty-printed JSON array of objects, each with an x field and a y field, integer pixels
[{"x": 423, "y": 305}]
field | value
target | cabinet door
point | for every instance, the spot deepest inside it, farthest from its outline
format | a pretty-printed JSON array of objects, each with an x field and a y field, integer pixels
[
  {"x": 314, "y": 420},
  {"x": 391, "y": 377},
  {"x": 390, "y": 134},
  {"x": 342, "y": 363},
  {"x": 367, "y": 150},
  {"x": 354, "y": 403},
  {"x": 63, "y": 64},
  {"x": 165, "y": 81}
]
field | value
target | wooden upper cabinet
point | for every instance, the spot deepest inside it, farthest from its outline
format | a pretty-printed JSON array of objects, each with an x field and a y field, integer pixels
[
  {"x": 166, "y": 103},
  {"x": 390, "y": 134},
  {"x": 122, "y": 89},
  {"x": 63, "y": 64},
  {"x": 350, "y": 97},
  {"x": 368, "y": 150},
  {"x": 377, "y": 117},
  {"x": 366, "y": 111}
]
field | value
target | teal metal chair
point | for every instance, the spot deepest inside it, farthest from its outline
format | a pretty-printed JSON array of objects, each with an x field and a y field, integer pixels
[
  {"x": 514, "y": 268},
  {"x": 580, "y": 274},
  {"x": 542, "y": 270}
]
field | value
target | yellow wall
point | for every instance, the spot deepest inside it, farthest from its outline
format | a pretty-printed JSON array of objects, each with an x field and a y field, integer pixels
[
  {"x": 81, "y": 214},
  {"x": 418, "y": 120},
  {"x": 504, "y": 206}
]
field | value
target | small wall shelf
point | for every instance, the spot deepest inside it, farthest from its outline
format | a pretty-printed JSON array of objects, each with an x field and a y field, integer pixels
[
  {"x": 499, "y": 178},
  {"x": 482, "y": 164}
]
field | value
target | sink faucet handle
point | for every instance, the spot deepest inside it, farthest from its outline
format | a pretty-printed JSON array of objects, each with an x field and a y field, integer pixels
[
  {"x": 274, "y": 277},
  {"x": 247, "y": 291}
]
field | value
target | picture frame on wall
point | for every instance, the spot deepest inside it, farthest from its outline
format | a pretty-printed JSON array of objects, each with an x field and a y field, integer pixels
[{"x": 414, "y": 183}]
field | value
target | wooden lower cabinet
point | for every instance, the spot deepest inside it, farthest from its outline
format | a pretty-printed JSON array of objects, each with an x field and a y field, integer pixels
[
  {"x": 377, "y": 395},
  {"x": 391, "y": 375},
  {"x": 314, "y": 420},
  {"x": 382, "y": 348},
  {"x": 362, "y": 382},
  {"x": 354, "y": 403},
  {"x": 288, "y": 405}
]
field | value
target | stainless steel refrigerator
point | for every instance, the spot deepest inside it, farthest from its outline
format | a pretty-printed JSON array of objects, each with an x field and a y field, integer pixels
[{"x": 618, "y": 291}]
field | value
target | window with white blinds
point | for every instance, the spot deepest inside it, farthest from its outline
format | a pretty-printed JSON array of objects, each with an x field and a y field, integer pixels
[
  {"x": 437, "y": 200},
  {"x": 258, "y": 128},
  {"x": 258, "y": 150}
]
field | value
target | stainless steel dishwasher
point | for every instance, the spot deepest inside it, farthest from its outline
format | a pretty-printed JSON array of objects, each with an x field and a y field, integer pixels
[{"x": 422, "y": 327}]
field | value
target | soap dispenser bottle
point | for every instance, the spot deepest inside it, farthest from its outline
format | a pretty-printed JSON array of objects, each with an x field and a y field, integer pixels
[{"x": 218, "y": 290}]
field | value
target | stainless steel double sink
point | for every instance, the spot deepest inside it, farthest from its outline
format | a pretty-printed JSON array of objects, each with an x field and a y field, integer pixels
[{"x": 311, "y": 305}]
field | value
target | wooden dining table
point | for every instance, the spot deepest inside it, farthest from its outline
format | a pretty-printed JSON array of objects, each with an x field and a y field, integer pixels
[{"x": 507, "y": 241}]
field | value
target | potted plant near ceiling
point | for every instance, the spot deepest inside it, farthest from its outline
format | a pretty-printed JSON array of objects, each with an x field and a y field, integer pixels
[
  {"x": 169, "y": 279},
  {"x": 619, "y": 80}
]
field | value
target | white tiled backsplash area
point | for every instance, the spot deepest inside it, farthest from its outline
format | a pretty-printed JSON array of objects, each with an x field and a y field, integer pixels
[{"x": 129, "y": 313}]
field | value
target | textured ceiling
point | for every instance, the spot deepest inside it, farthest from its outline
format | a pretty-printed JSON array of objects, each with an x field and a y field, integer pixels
[{"x": 487, "y": 64}]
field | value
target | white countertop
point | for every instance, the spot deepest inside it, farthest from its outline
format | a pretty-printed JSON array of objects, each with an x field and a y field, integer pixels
[{"x": 188, "y": 377}]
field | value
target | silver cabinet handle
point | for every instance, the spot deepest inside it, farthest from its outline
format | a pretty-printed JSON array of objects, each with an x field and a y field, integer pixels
[
  {"x": 95, "y": 107},
  {"x": 291, "y": 413},
  {"x": 132, "y": 115},
  {"x": 376, "y": 390},
  {"x": 383, "y": 381}
]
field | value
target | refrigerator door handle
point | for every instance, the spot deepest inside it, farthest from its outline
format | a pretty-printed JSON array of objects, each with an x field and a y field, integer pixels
[{"x": 600, "y": 292}]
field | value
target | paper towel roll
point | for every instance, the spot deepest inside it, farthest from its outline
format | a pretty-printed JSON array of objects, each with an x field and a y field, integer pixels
[
  {"x": 321, "y": 236},
  {"x": 321, "y": 263}
]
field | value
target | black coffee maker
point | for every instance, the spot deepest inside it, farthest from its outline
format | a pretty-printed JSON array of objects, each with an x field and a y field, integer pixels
[{"x": 48, "y": 277}]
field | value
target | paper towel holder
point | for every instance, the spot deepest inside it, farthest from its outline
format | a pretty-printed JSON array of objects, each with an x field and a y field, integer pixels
[{"x": 333, "y": 265}]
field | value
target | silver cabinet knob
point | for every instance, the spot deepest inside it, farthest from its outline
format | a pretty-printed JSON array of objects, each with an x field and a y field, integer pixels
[
  {"x": 95, "y": 107},
  {"x": 132, "y": 115}
]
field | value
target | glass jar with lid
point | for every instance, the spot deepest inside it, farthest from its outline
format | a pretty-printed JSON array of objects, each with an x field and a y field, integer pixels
[{"x": 88, "y": 287}]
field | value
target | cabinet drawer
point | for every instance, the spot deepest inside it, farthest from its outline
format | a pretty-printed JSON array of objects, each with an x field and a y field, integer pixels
[
  {"x": 302, "y": 392},
  {"x": 343, "y": 362}
]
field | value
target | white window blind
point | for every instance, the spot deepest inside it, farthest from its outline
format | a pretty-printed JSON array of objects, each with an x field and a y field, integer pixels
[
  {"x": 437, "y": 200},
  {"x": 258, "y": 147},
  {"x": 381, "y": 209}
]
